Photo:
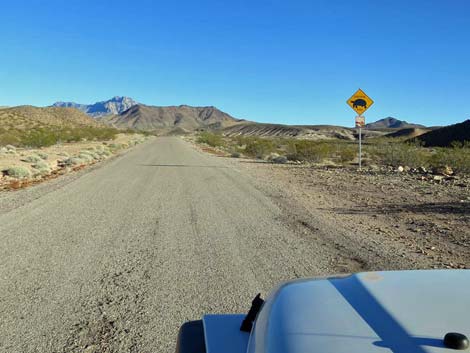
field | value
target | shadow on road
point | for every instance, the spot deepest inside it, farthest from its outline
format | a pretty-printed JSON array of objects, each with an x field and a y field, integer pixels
[
  {"x": 181, "y": 166},
  {"x": 434, "y": 207}
]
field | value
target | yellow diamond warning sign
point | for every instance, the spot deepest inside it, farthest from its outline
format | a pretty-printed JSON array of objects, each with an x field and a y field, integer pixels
[{"x": 360, "y": 102}]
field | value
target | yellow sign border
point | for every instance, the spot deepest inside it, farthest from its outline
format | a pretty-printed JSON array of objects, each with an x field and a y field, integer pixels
[{"x": 360, "y": 94}]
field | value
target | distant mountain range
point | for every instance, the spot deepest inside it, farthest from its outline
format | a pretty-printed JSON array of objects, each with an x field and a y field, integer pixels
[
  {"x": 183, "y": 118},
  {"x": 126, "y": 113},
  {"x": 115, "y": 105},
  {"x": 392, "y": 123}
]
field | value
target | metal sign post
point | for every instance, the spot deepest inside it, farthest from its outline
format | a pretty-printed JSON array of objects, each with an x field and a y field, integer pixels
[
  {"x": 360, "y": 148},
  {"x": 360, "y": 102},
  {"x": 360, "y": 122}
]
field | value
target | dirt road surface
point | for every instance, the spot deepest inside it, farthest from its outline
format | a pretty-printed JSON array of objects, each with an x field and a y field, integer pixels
[{"x": 116, "y": 259}]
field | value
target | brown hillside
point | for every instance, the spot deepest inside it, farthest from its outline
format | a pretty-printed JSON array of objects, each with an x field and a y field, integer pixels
[
  {"x": 27, "y": 117},
  {"x": 407, "y": 133},
  {"x": 311, "y": 132},
  {"x": 144, "y": 117},
  {"x": 444, "y": 136}
]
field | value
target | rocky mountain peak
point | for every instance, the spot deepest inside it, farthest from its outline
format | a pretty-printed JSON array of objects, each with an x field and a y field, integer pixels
[{"x": 115, "y": 105}]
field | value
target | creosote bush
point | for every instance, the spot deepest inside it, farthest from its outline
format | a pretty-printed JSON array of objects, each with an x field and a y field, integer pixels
[
  {"x": 211, "y": 139},
  {"x": 259, "y": 148},
  {"x": 398, "y": 153}
]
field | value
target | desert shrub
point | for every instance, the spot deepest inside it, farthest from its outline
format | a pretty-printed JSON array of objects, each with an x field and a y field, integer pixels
[
  {"x": 91, "y": 154},
  {"x": 116, "y": 146},
  {"x": 398, "y": 153},
  {"x": 311, "y": 151},
  {"x": 86, "y": 157},
  {"x": 456, "y": 157},
  {"x": 32, "y": 159},
  {"x": 19, "y": 172},
  {"x": 73, "y": 161},
  {"x": 279, "y": 160},
  {"x": 42, "y": 167},
  {"x": 211, "y": 139},
  {"x": 90, "y": 134},
  {"x": 43, "y": 155},
  {"x": 240, "y": 140},
  {"x": 346, "y": 152},
  {"x": 9, "y": 138},
  {"x": 39, "y": 138},
  {"x": 104, "y": 153},
  {"x": 258, "y": 147}
]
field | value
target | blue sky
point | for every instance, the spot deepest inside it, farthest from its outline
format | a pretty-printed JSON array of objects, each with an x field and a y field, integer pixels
[{"x": 290, "y": 61}]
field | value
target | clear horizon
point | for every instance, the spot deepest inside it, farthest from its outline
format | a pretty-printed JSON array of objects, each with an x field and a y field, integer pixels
[{"x": 266, "y": 61}]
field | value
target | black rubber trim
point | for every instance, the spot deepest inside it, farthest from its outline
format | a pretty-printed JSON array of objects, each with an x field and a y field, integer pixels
[{"x": 191, "y": 338}]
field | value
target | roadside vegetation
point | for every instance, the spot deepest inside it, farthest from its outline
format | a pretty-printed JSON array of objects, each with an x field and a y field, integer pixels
[
  {"x": 19, "y": 167},
  {"x": 48, "y": 136},
  {"x": 376, "y": 151}
]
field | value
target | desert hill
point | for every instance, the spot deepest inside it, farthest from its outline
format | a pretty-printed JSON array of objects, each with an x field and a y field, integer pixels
[
  {"x": 408, "y": 132},
  {"x": 444, "y": 136},
  {"x": 312, "y": 132},
  {"x": 32, "y": 126},
  {"x": 392, "y": 123},
  {"x": 26, "y": 117},
  {"x": 186, "y": 118}
]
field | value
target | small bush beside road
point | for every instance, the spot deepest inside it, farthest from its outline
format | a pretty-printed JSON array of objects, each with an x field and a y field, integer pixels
[
  {"x": 211, "y": 139},
  {"x": 18, "y": 172}
]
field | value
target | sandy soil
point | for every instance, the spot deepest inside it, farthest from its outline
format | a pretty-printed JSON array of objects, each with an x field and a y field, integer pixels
[{"x": 428, "y": 220}]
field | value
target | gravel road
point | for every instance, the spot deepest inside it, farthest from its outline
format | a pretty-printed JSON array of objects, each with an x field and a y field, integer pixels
[{"x": 117, "y": 259}]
